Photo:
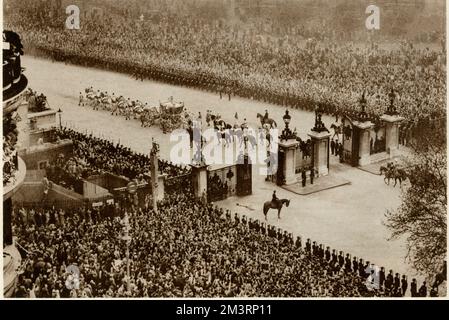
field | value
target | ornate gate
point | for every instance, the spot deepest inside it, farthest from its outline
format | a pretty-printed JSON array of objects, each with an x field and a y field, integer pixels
[{"x": 244, "y": 177}]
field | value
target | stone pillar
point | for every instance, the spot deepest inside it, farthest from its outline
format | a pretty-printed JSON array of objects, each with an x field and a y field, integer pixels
[
  {"x": 161, "y": 186},
  {"x": 320, "y": 160},
  {"x": 364, "y": 141},
  {"x": 289, "y": 149},
  {"x": 392, "y": 133},
  {"x": 199, "y": 177},
  {"x": 154, "y": 170}
]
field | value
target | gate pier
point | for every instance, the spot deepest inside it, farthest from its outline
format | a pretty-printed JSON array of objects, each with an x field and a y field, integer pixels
[{"x": 320, "y": 141}]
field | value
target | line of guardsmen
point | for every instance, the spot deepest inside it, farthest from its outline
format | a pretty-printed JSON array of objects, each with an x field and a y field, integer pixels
[{"x": 392, "y": 284}]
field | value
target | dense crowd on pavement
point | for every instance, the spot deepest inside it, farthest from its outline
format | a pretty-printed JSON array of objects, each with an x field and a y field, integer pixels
[
  {"x": 36, "y": 102},
  {"x": 93, "y": 155},
  {"x": 187, "y": 248},
  {"x": 289, "y": 69},
  {"x": 9, "y": 155}
]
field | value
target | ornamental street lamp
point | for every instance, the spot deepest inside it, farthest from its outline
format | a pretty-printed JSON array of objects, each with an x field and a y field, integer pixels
[
  {"x": 319, "y": 125},
  {"x": 287, "y": 133},
  {"x": 363, "y": 116},
  {"x": 391, "y": 110}
]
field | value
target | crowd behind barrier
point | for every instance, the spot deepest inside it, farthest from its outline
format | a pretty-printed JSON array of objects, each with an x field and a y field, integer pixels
[
  {"x": 96, "y": 155},
  {"x": 187, "y": 249},
  {"x": 36, "y": 102},
  {"x": 9, "y": 154}
]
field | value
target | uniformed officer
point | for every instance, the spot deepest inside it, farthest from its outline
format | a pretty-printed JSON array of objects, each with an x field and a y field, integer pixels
[
  {"x": 334, "y": 257},
  {"x": 414, "y": 288},
  {"x": 382, "y": 278},
  {"x": 404, "y": 284},
  {"x": 423, "y": 290},
  {"x": 327, "y": 254},
  {"x": 244, "y": 220},
  {"x": 361, "y": 268},
  {"x": 228, "y": 215},
  {"x": 312, "y": 174},
  {"x": 298, "y": 242},
  {"x": 321, "y": 251},
  {"x": 308, "y": 246},
  {"x": 397, "y": 282},
  {"x": 354, "y": 264},
  {"x": 265, "y": 117},
  {"x": 341, "y": 259},
  {"x": 236, "y": 218},
  {"x": 274, "y": 198},
  {"x": 389, "y": 281},
  {"x": 256, "y": 225},
  {"x": 348, "y": 263},
  {"x": 314, "y": 249}
]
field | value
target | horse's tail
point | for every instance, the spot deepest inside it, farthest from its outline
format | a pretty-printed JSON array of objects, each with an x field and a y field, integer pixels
[{"x": 266, "y": 206}]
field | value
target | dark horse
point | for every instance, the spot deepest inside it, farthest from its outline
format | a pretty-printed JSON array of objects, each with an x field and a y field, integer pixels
[{"x": 278, "y": 205}]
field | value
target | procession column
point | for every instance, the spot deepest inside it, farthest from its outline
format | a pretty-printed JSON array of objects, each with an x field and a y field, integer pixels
[
  {"x": 288, "y": 145},
  {"x": 392, "y": 120},
  {"x": 320, "y": 144}
]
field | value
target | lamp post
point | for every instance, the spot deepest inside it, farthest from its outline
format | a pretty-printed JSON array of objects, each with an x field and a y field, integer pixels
[
  {"x": 391, "y": 110},
  {"x": 127, "y": 238},
  {"x": 287, "y": 133},
  {"x": 363, "y": 116},
  {"x": 59, "y": 113},
  {"x": 319, "y": 125}
]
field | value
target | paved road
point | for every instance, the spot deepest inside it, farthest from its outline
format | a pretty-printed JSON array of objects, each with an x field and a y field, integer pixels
[{"x": 347, "y": 218}]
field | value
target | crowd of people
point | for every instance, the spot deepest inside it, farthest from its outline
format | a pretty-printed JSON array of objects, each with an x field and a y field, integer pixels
[
  {"x": 188, "y": 248},
  {"x": 286, "y": 70},
  {"x": 68, "y": 173},
  {"x": 216, "y": 188},
  {"x": 9, "y": 155},
  {"x": 96, "y": 155},
  {"x": 36, "y": 102}
]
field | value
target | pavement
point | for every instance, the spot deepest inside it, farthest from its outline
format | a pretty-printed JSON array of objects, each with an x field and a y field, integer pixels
[{"x": 319, "y": 184}]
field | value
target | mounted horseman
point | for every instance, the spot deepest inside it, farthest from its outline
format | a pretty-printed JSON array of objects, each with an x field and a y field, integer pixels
[{"x": 275, "y": 203}]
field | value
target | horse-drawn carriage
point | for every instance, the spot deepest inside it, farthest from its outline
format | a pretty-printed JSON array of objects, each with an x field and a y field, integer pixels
[
  {"x": 171, "y": 107},
  {"x": 170, "y": 114}
]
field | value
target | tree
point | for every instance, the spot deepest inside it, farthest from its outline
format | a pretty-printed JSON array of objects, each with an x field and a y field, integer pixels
[{"x": 422, "y": 216}]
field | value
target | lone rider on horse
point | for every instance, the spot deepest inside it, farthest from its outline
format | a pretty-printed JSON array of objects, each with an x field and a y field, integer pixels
[
  {"x": 265, "y": 117},
  {"x": 274, "y": 199}
]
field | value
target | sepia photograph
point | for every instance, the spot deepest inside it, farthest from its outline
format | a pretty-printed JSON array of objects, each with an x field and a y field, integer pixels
[{"x": 224, "y": 149}]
